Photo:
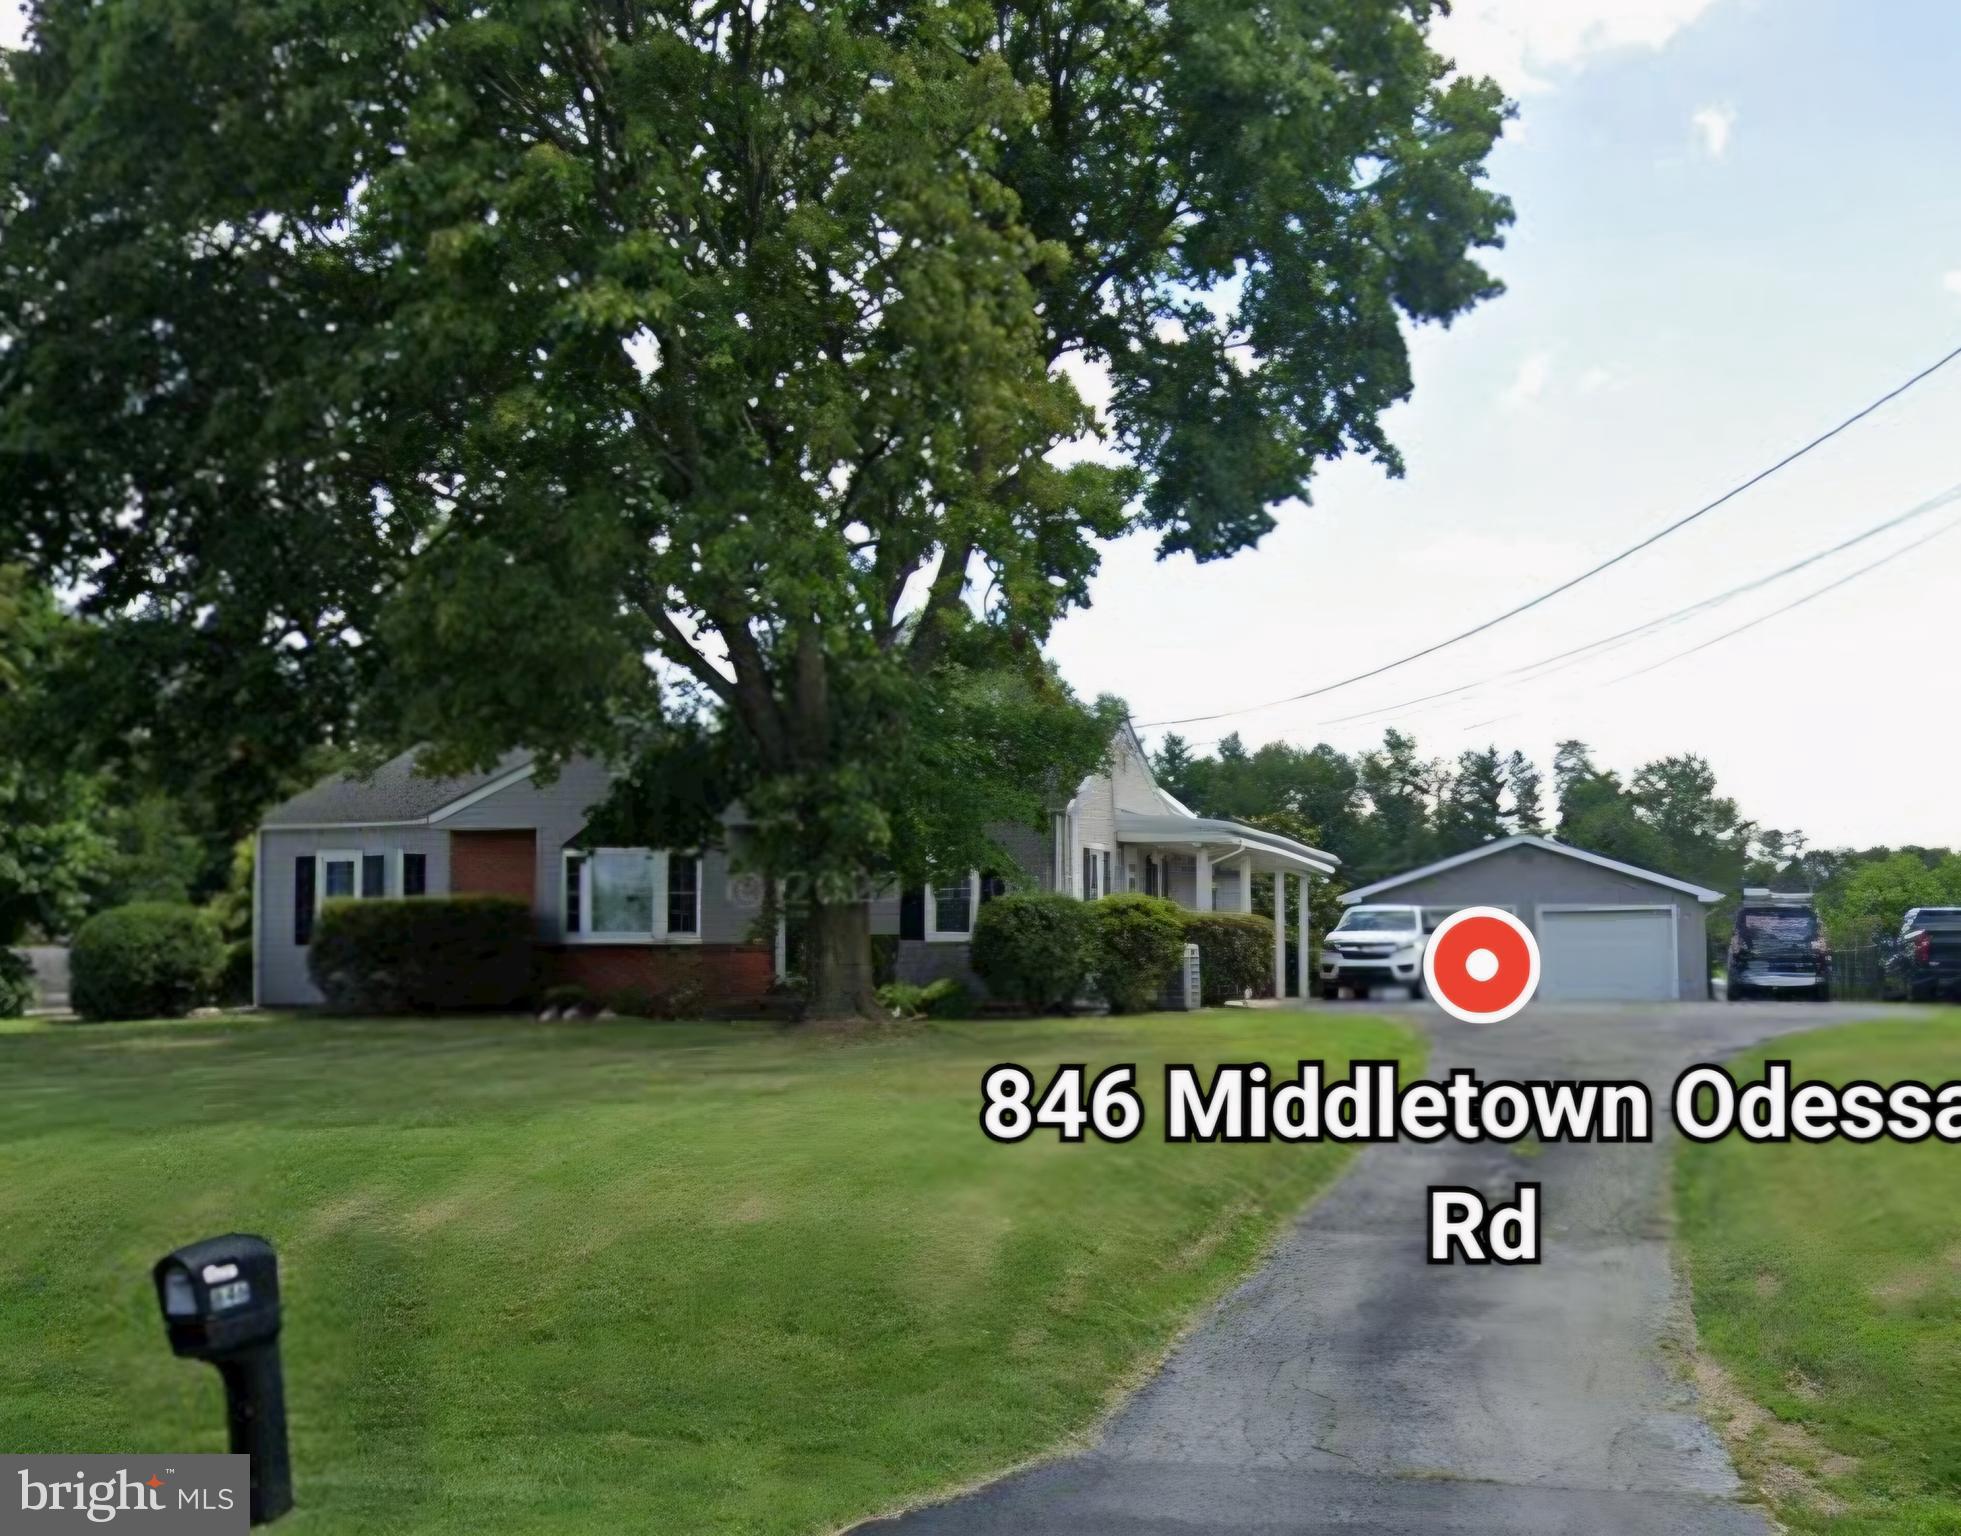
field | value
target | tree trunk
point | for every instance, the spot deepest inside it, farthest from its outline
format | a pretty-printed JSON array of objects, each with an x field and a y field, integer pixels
[{"x": 838, "y": 952}]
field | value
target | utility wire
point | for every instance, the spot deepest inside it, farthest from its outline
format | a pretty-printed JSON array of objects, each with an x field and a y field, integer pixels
[
  {"x": 1546, "y": 666},
  {"x": 1728, "y": 634},
  {"x": 1586, "y": 575},
  {"x": 1813, "y": 596}
]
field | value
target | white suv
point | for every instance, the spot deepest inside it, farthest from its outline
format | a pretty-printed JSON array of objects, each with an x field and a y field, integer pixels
[{"x": 1374, "y": 947}]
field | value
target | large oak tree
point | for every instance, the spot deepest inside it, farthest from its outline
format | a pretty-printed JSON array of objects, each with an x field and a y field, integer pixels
[{"x": 552, "y": 372}]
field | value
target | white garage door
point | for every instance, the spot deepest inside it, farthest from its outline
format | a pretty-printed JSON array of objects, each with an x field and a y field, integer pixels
[{"x": 1607, "y": 955}]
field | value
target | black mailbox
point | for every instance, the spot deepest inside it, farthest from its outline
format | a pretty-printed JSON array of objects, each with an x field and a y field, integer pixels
[{"x": 220, "y": 1301}]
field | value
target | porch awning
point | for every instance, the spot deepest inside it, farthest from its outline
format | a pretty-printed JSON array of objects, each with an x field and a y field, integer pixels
[{"x": 1267, "y": 852}]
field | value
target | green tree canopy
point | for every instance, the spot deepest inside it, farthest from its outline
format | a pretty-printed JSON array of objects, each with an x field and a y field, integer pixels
[{"x": 540, "y": 372}]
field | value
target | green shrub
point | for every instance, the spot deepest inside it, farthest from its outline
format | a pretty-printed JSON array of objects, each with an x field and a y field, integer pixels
[
  {"x": 637, "y": 1003},
  {"x": 235, "y": 981},
  {"x": 1139, "y": 942},
  {"x": 902, "y": 999},
  {"x": 1235, "y": 952},
  {"x": 422, "y": 955},
  {"x": 947, "y": 998},
  {"x": 148, "y": 960},
  {"x": 16, "y": 984},
  {"x": 1035, "y": 947}
]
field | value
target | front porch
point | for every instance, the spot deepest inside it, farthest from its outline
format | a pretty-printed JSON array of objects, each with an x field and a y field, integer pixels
[{"x": 1208, "y": 865}]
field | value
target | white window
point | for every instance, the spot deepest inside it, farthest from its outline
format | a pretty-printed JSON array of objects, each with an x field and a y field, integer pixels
[
  {"x": 632, "y": 896},
  {"x": 337, "y": 876},
  {"x": 950, "y": 909},
  {"x": 1096, "y": 871}
]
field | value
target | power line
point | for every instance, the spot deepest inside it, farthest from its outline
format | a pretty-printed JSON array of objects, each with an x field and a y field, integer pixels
[
  {"x": 1813, "y": 596},
  {"x": 1546, "y": 666},
  {"x": 1764, "y": 618},
  {"x": 1586, "y": 575}
]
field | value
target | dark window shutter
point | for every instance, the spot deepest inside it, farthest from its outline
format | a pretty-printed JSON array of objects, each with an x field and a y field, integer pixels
[
  {"x": 303, "y": 898},
  {"x": 991, "y": 885},
  {"x": 415, "y": 874},
  {"x": 912, "y": 913},
  {"x": 374, "y": 875}
]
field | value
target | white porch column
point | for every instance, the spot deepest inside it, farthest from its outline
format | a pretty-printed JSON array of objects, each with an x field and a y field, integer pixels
[
  {"x": 782, "y": 936},
  {"x": 1279, "y": 934},
  {"x": 1306, "y": 955},
  {"x": 1245, "y": 884},
  {"x": 1202, "y": 874}
]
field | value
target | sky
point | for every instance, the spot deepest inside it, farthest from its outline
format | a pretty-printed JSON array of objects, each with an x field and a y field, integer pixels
[{"x": 1737, "y": 224}]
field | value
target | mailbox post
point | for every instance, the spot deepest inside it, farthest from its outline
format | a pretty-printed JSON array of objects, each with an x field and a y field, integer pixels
[{"x": 220, "y": 1301}]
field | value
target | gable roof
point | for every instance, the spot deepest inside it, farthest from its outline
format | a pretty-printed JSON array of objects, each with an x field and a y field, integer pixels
[
  {"x": 1530, "y": 840},
  {"x": 394, "y": 794}
]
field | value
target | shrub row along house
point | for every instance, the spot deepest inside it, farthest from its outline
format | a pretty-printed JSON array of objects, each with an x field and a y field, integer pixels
[{"x": 658, "y": 920}]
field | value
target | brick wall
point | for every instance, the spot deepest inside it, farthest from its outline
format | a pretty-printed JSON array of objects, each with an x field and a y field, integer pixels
[
  {"x": 721, "y": 973},
  {"x": 495, "y": 864}
]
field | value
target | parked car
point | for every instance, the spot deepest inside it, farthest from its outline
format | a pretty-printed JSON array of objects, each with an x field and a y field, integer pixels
[
  {"x": 1779, "y": 948},
  {"x": 1374, "y": 947},
  {"x": 1924, "y": 961}
]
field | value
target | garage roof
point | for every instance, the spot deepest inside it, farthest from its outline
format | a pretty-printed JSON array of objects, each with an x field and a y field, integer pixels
[{"x": 1529, "y": 840}]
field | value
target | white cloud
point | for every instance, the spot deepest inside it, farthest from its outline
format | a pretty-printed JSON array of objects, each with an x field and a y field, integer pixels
[
  {"x": 1595, "y": 379},
  {"x": 13, "y": 23},
  {"x": 1523, "y": 43},
  {"x": 1712, "y": 127},
  {"x": 1952, "y": 282},
  {"x": 1529, "y": 383}
]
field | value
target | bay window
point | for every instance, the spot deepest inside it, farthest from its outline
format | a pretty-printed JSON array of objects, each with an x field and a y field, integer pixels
[{"x": 632, "y": 896}]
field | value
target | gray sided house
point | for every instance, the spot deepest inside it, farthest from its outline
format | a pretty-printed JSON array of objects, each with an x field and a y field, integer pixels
[
  {"x": 1607, "y": 931},
  {"x": 1118, "y": 832},
  {"x": 652, "y": 919}
]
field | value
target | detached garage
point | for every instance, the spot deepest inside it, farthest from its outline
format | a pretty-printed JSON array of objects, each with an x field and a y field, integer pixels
[{"x": 1607, "y": 931}]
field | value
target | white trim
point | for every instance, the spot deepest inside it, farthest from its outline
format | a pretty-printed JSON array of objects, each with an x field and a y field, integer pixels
[
  {"x": 259, "y": 909},
  {"x": 336, "y": 826},
  {"x": 483, "y": 792},
  {"x": 585, "y": 935},
  {"x": 1530, "y": 840},
  {"x": 953, "y": 936},
  {"x": 1672, "y": 908},
  {"x": 663, "y": 867},
  {"x": 322, "y": 857}
]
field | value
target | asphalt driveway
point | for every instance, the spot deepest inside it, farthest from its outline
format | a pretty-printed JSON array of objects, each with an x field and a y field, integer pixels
[{"x": 1351, "y": 1387}]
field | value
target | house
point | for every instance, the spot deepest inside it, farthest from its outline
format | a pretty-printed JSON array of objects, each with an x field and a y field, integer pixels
[
  {"x": 1607, "y": 931},
  {"x": 617, "y": 918}
]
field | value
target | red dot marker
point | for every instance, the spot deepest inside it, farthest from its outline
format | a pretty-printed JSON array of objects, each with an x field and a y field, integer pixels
[{"x": 1482, "y": 965}]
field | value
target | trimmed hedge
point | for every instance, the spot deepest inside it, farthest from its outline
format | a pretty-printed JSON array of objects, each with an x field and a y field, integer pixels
[
  {"x": 16, "y": 984},
  {"x": 1139, "y": 942},
  {"x": 425, "y": 954},
  {"x": 1235, "y": 952},
  {"x": 1035, "y": 947},
  {"x": 148, "y": 960}
]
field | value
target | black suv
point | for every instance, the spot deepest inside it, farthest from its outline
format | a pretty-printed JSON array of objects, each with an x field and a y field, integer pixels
[
  {"x": 1924, "y": 961},
  {"x": 1779, "y": 949}
]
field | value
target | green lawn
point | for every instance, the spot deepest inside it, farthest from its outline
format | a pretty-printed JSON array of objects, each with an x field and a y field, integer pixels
[
  {"x": 619, "y": 1276},
  {"x": 1828, "y": 1285}
]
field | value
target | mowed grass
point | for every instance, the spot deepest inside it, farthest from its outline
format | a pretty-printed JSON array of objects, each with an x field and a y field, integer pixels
[
  {"x": 1827, "y": 1284},
  {"x": 620, "y": 1276}
]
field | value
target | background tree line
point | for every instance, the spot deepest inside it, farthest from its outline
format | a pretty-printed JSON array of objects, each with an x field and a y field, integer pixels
[{"x": 1393, "y": 808}]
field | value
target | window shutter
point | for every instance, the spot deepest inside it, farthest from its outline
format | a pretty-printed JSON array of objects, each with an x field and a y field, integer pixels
[
  {"x": 991, "y": 885},
  {"x": 303, "y": 898},
  {"x": 912, "y": 913},
  {"x": 374, "y": 875},
  {"x": 415, "y": 874}
]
